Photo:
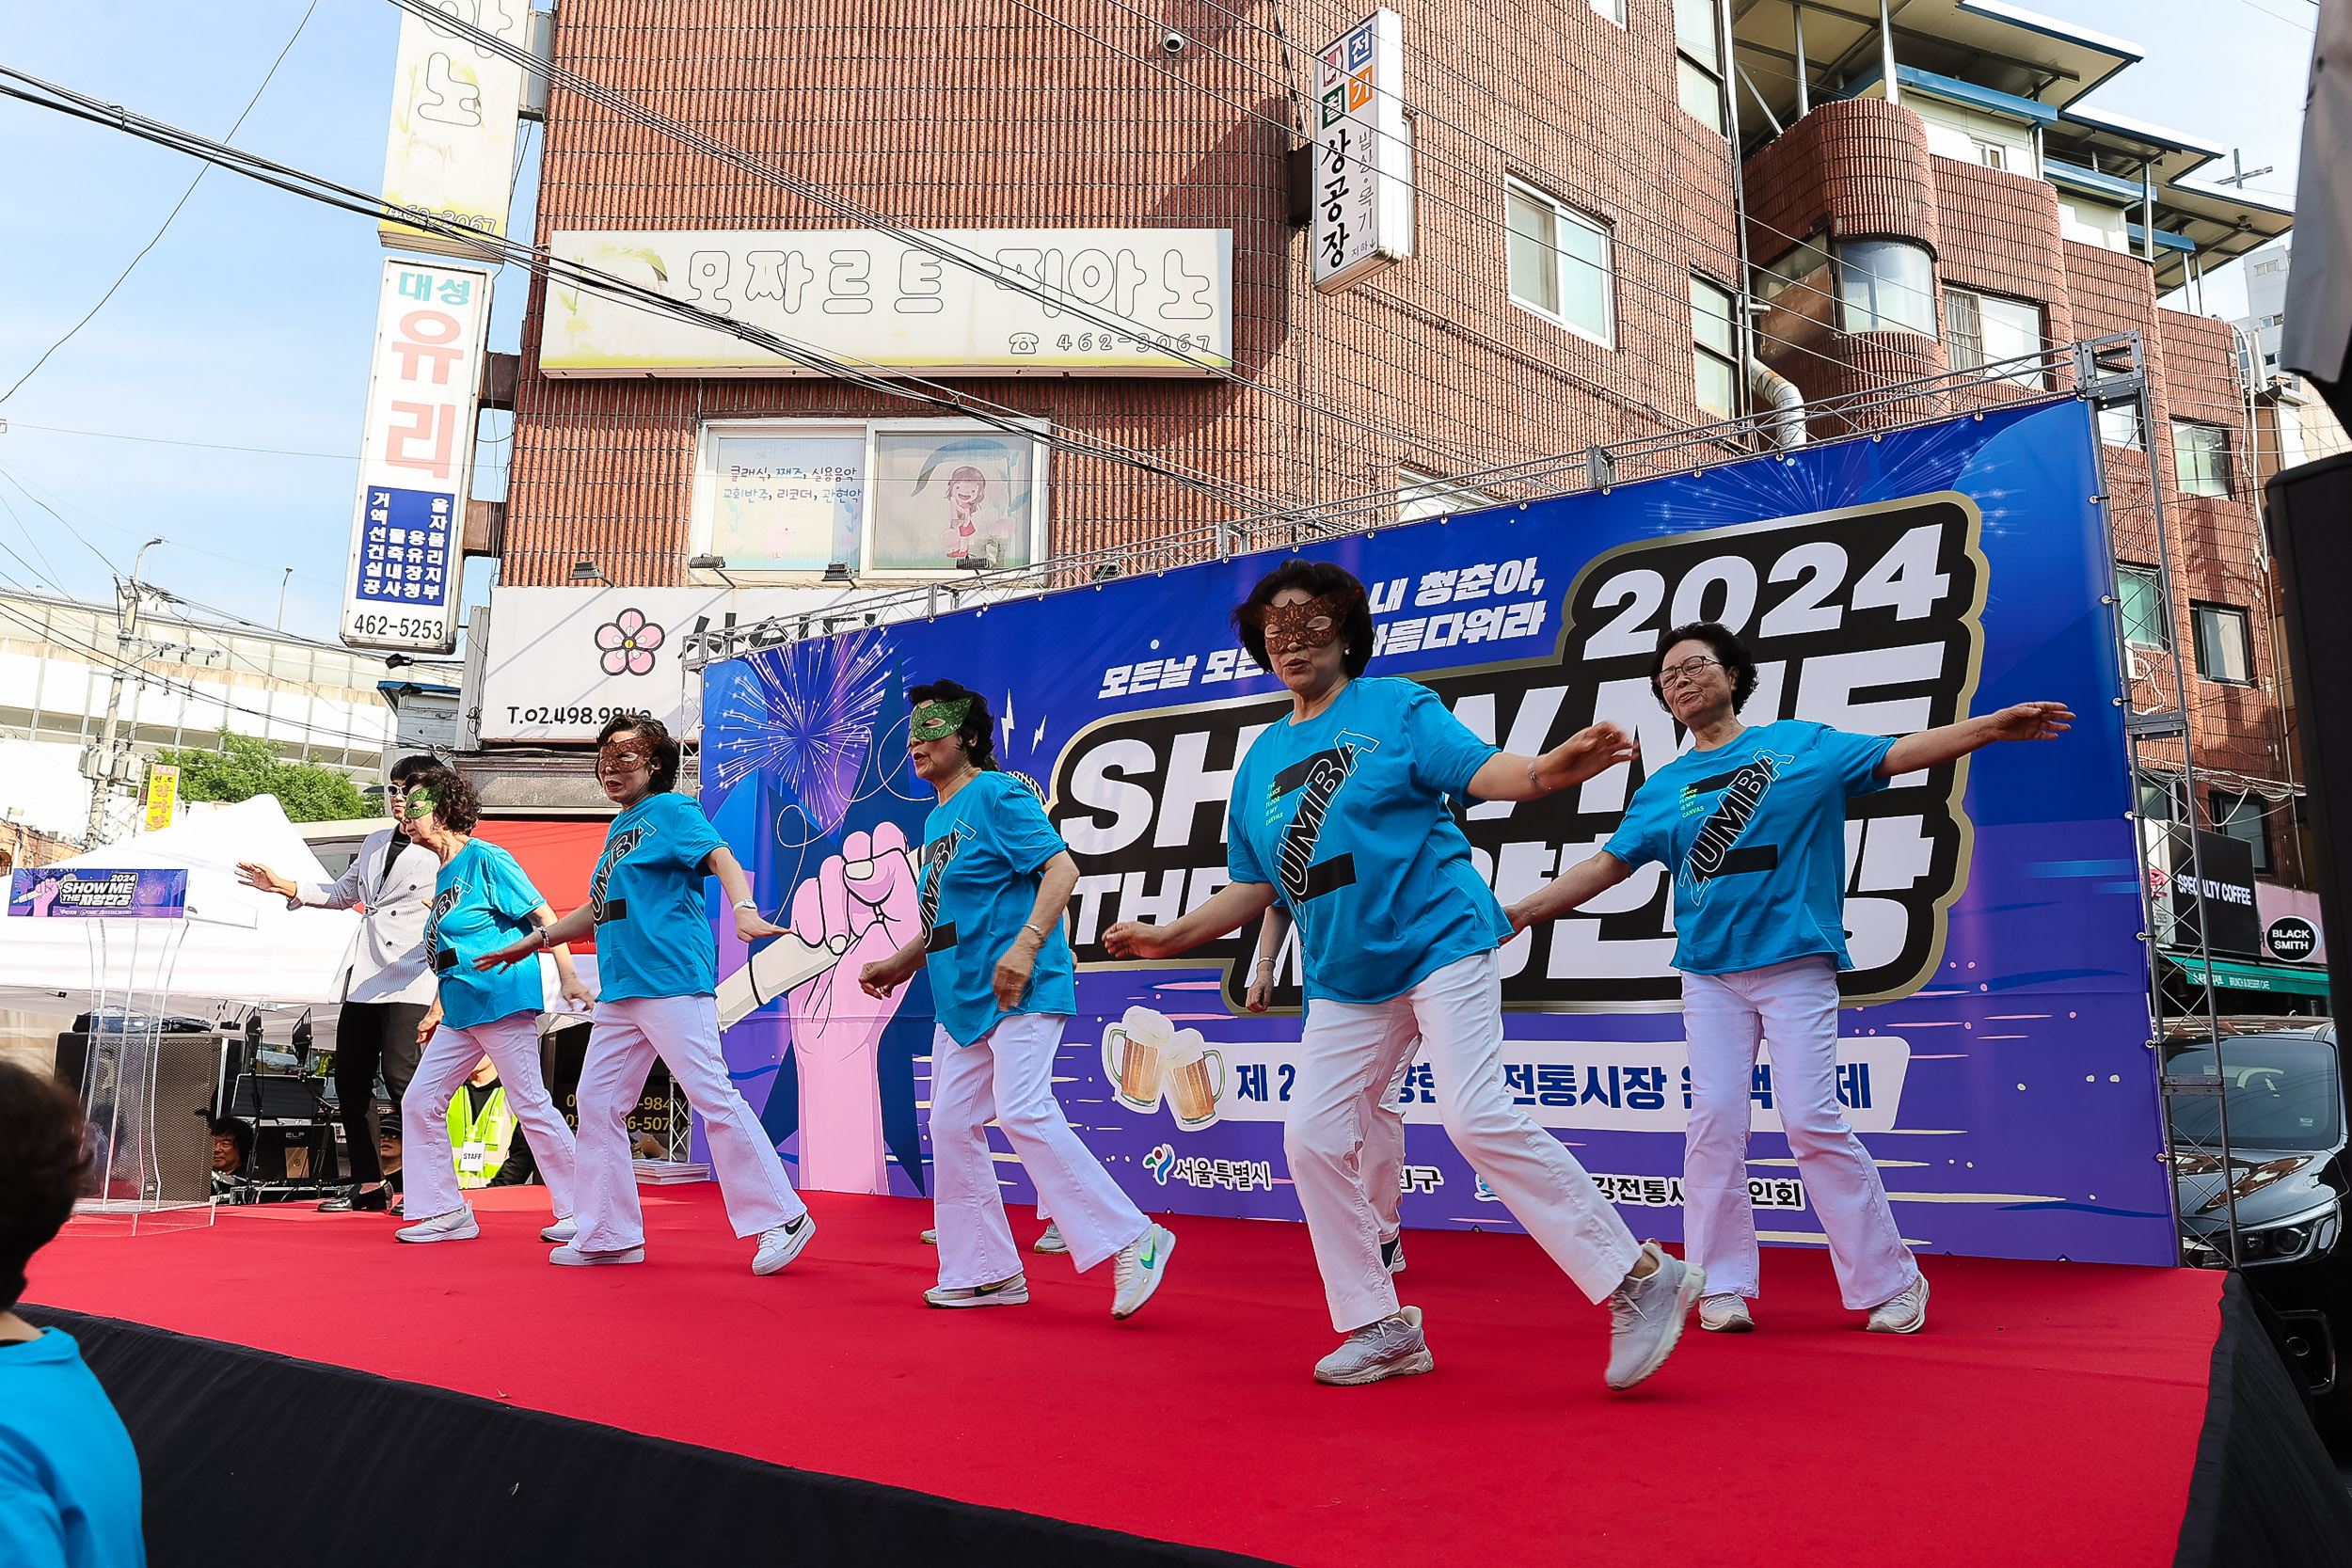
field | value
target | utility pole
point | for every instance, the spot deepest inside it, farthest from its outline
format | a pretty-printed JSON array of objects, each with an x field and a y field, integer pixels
[{"x": 99, "y": 763}]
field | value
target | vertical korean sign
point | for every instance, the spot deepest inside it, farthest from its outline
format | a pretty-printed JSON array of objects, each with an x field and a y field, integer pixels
[
  {"x": 456, "y": 111},
  {"x": 416, "y": 458},
  {"x": 163, "y": 797},
  {"x": 1363, "y": 155}
]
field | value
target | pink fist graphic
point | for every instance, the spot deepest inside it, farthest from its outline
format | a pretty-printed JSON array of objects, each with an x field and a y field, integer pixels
[{"x": 862, "y": 905}]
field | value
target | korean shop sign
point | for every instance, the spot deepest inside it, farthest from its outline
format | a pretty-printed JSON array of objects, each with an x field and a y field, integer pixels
[
  {"x": 416, "y": 458},
  {"x": 1364, "y": 153},
  {"x": 451, "y": 148}
]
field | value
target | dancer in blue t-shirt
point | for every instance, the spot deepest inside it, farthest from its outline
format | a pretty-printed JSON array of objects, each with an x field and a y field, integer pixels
[
  {"x": 996, "y": 877},
  {"x": 69, "y": 1477},
  {"x": 658, "y": 994},
  {"x": 1751, "y": 824},
  {"x": 481, "y": 899},
  {"x": 1342, "y": 813}
]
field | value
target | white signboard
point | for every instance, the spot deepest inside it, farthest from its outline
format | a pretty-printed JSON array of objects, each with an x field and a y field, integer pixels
[
  {"x": 872, "y": 299},
  {"x": 454, "y": 115},
  {"x": 416, "y": 458},
  {"x": 563, "y": 661},
  {"x": 1363, "y": 174}
]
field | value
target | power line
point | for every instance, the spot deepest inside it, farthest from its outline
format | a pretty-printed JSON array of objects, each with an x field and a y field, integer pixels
[
  {"x": 168, "y": 441},
  {"x": 159, "y": 234}
]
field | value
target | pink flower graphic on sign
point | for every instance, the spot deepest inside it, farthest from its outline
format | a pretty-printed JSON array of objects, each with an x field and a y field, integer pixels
[{"x": 628, "y": 641}]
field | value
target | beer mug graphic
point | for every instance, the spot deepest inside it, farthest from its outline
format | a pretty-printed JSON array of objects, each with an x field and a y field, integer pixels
[
  {"x": 1192, "y": 1092},
  {"x": 1133, "y": 1051}
]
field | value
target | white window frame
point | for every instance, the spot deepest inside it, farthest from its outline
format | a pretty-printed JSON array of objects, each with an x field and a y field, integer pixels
[
  {"x": 704, "y": 497},
  {"x": 2222, "y": 473},
  {"x": 1702, "y": 350},
  {"x": 2202, "y": 650},
  {"x": 2128, "y": 571},
  {"x": 1610, "y": 10},
  {"x": 1715, "y": 73},
  {"x": 1562, "y": 213}
]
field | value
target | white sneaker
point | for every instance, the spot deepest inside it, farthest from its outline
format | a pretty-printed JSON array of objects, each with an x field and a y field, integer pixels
[
  {"x": 571, "y": 1256},
  {"x": 930, "y": 1238},
  {"x": 1393, "y": 1254},
  {"x": 779, "y": 1246},
  {"x": 1394, "y": 1347},
  {"x": 1906, "y": 1312},
  {"x": 1646, "y": 1316},
  {"x": 1139, "y": 1267},
  {"x": 1004, "y": 1292},
  {"x": 1051, "y": 1243},
  {"x": 562, "y": 1230},
  {"x": 1726, "y": 1314},
  {"x": 455, "y": 1226}
]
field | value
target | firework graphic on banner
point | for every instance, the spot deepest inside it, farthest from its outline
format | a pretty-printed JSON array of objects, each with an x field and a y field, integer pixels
[{"x": 805, "y": 716}]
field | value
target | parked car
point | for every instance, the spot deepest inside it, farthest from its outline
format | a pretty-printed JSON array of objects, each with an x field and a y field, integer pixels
[{"x": 2283, "y": 1092}]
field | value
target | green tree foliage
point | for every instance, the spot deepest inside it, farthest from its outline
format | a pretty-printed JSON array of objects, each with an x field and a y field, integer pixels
[{"x": 244, "y": 767}]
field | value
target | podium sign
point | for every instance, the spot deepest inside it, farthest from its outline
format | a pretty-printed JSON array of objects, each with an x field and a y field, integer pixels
[{"x": 88, "y": 893}]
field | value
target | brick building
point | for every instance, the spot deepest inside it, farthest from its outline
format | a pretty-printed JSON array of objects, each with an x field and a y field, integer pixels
[{"x": 1606, "y": 192}]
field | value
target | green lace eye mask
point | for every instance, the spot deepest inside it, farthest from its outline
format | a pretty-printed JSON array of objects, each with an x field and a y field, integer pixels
[
  {"x": 420, "y": 802},
  {"x": 937, "y": 720}
]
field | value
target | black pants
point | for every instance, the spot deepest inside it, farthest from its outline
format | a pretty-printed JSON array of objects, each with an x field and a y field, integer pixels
[{"x": 371, "y": 1037}]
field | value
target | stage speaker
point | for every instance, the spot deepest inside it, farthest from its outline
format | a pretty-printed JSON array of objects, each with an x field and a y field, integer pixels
[
  {"x": 187, "y": 1075},
  {"x": 2309, "y": 516}
]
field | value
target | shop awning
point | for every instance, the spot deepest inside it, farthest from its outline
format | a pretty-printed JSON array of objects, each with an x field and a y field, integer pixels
[{"x": 2291, "y": 978}]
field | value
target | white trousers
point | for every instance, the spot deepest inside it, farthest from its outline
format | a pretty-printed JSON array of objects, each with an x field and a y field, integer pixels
[
  {"x": 1795, "y": 1006},
  {"x": 684, "y": 1031},
  {"x": 1338, "y": 1134},
  {"x": 511, "y": 1044},
  {"x": 1008, "y": 1074}
]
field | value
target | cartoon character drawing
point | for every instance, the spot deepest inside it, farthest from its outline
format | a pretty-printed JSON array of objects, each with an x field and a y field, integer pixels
[{"x": 970, "y": 539}]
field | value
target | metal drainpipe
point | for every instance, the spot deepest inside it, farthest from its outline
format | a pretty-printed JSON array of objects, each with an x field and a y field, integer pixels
[
  {"x": 1804, "y": 98},
  {"x": 1886, "y": 53}
]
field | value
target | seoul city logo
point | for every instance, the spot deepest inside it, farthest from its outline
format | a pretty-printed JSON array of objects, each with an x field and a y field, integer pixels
[
  {"x": 1159, "y": 1162},
  {"x": 627, "y": 641}
]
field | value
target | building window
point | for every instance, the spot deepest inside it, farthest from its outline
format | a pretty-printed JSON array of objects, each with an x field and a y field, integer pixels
[
  {"x": 1560, "y": 263},
  {"x": 2200, "y": 458},
  {"x": 2160, "y": 799},
  {"x": 1421, "y": 496},
  {"x": 1611, "y": 10},
  {"x": 1991, "y": 154},
  {"x": 2245, "y": 818},
  {"x": 896, "y": 498},
  {"x": 1985, "y": 329},
  {"x": 1716, "y": 344},
  {"x": 2139, "y": 600},
  {"x": 1699, "y": 65},
  {"x": 1885, "y": 286},
  {"x": 2224, "y": 652},
  {"x": 2119, "y": 427}
]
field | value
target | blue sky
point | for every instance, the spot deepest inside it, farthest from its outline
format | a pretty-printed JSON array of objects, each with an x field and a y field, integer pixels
[{"x": 248, "y": 325}]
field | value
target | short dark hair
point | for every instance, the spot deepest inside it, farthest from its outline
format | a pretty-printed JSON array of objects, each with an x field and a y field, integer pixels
[
  {"x": 656, "y": 735},
  {"x": 409, "y": 766},
  {"x": 44, "y": 1155},
  {"x": 460, "y": 803},
  {"x": 239, "y": 1131},
  {"x": 1729, "y": 652},
  {"x": 978, "y": 728},
  {"x": 1315, "y": 578}
]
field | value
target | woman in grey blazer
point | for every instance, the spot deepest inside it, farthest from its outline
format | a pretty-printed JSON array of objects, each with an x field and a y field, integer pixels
[{"x": 387, "y": 987}]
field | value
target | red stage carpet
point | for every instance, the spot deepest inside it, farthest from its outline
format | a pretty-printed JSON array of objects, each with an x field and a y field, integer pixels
[{"x": 2050, "y": 1415}]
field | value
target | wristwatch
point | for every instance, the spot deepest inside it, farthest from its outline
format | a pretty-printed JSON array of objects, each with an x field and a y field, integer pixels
[{"x": 750, "y": 904}]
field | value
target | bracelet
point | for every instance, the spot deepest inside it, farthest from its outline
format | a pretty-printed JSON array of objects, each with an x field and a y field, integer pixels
[
  {"x": 1028, "y": 925},
  {"x": 750, "y": 904},
  {"x": 1266, "y": 963}
]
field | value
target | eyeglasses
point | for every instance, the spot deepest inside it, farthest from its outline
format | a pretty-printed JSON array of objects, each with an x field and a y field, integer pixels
[{"x": 1688, "y": 669}]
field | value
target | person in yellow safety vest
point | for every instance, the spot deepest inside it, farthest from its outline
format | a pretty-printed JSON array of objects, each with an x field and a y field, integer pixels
[{"x": 481, "y": 1128}]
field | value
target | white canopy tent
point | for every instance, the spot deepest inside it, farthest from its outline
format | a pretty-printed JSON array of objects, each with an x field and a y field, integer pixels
[{"x": 240, "y": 948}]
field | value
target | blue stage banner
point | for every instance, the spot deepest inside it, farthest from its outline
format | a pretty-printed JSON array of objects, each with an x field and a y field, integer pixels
[
  {"x": 86, "y": 893},
  {"x": 1995, "y": 1055}
]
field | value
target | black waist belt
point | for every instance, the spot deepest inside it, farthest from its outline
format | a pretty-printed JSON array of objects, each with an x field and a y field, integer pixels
[
  {"x": 615, "y": 910},
  {"x": 941, "y": 938},
  {"x": 444, "y": 960}
]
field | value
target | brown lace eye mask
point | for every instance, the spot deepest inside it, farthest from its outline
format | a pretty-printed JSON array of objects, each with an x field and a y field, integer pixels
[
  {"x": 620, "y": 756},
  {"x": 1316, "y": 623}
]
